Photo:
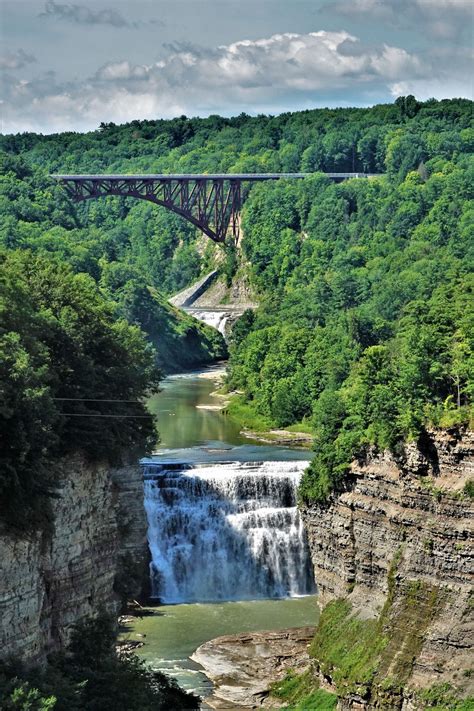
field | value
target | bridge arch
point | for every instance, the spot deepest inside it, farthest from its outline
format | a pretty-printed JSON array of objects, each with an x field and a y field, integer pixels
[
  {"x": 170, "y": 206},
  {"x": 210, "y": 202}
]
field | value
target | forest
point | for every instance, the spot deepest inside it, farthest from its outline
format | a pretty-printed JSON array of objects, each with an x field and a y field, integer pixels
[{"x": 365, "y": 324}]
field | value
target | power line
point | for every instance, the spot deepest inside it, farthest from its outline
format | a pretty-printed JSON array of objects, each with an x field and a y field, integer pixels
[
  {"x": 90, "y": 399},
  {"x": 77, "y": 414}
]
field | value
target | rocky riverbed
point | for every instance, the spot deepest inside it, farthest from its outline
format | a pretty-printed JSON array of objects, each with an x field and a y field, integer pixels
[{"x": 244, "y": 666}]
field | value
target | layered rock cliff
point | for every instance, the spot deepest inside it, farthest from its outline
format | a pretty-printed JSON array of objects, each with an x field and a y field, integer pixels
[
  {"x": 53, "y": 579},
  {"x": 397, "y": 545}
]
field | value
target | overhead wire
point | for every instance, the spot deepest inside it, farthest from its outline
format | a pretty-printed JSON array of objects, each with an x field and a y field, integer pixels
[
  {"x": 92, "y": 399},
  {"x": 92, "y": 414}
]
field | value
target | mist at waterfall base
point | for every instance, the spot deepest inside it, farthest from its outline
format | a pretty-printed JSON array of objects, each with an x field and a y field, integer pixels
[{"x": 226, "y": 531}]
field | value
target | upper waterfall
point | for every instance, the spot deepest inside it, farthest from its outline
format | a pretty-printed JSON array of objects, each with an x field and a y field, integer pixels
[
  {"x": 216, "y": 318},
  {"x": 213, "y": 302},
  {"x": 227, "y": 531}
]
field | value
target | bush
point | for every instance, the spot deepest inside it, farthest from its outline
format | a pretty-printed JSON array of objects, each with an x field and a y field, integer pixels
[
  {"x": 90, "y": 677},
  {"x": 469, "y": 488}
]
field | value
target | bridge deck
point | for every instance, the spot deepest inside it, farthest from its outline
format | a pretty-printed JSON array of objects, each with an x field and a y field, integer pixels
[{"x": 211, "y": 176}]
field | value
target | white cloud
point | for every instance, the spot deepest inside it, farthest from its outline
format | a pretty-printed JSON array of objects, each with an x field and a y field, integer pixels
[
  {"x": 284, "y": 61},
  {"x": 451, "y": 76},
  {"x": 283, "y": 72},
  {"x": 16, "y": 60}
]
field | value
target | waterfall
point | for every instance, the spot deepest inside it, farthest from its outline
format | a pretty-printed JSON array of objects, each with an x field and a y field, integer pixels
[
  {"x": 228, "y": 531},
  {"x": 216, "y": 319}
]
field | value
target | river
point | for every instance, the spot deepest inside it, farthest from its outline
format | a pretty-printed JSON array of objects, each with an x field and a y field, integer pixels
[{"x": 228, "y": 549}]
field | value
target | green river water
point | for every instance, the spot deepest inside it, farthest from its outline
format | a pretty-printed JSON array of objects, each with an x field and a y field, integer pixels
[{"x": 173, "y": 632}]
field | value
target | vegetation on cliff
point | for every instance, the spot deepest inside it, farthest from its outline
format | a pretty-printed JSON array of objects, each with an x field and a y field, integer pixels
[
  {"x": 354, "y": 655},
  {"x": 366, "y": 321},
  {"x": 90, "y": 676},
  {"x": 301, "y": 692},
  {"x": 72, "y": 378},
  {"x": 372, "y": 659}
]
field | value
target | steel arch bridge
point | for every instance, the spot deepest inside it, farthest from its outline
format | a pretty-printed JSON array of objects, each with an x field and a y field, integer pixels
[{"x": 210, "y": 202}]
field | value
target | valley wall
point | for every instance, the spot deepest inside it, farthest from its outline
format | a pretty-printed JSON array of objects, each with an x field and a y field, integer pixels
[
  {"x": 397, "y": 545},
  {"x": 95, "y": 554}
]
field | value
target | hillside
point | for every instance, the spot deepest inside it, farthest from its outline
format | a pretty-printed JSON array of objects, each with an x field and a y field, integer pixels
[
  {"x": 363, "y": 338},
  {"x": 366, "y": 320},
  {"x": 136, "y": 272},
  {"x": 365, "y": 325},
  {"x": 129, "y": 246}
]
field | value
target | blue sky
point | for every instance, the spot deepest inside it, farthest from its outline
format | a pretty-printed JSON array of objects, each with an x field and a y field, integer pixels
[{"x": 70, "y": 65}]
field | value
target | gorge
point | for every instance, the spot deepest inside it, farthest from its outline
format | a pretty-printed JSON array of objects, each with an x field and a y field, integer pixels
[
  {"x": 400, "y": 537},
  {"x": 360, "y": 348},
  {"x": 205, "y": 520}
]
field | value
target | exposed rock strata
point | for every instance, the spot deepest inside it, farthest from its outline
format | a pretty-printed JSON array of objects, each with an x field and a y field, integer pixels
[
  {"x": 411, "y": 508},
  {"x": 132, "y": 576},
  {"x": 212, "y": 302},
  {"x": 50, "y": 581},
  {"x": 243, "y": 666},
  {"x": 236, "y": 296},
  {"x": 188, "y": 296}
]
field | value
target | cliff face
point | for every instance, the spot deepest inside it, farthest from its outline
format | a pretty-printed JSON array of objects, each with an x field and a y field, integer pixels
[
  {"x": 49, "y": 581},
  {"x": 132, "y": 577},
  {"x": 398, "y": 545}
]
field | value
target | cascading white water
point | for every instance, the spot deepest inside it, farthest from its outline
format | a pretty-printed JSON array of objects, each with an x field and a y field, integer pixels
[
  {"x": 227, "y": 531},
  {"x": 216, "y": 319}
]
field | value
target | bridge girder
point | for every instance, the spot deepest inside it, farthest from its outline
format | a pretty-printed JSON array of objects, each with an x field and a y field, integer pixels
[{"x": 210, "y": 202}]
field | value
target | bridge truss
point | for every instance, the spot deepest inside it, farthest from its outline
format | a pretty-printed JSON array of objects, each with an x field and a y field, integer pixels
[{"x": 210, "y": 202}]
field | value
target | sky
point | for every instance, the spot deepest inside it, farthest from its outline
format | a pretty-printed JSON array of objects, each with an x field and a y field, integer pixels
[{"x": 68, "y": 66}]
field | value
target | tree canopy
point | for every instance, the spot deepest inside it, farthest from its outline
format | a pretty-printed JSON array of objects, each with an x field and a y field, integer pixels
[
  {"x": 72, "y": 378},
  {"x": 365, "y": 323}
]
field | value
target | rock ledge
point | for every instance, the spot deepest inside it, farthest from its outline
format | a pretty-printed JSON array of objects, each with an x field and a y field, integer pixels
[{"x": 243, "y": 666}]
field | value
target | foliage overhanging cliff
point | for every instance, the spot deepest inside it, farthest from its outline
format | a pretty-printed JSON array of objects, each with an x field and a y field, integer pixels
[{"x": 72, "y": 378}]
